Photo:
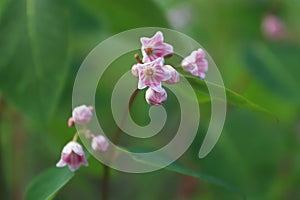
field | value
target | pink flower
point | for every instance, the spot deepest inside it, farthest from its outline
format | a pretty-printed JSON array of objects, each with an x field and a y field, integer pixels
[
  {"x": 155, "y": 98},
  {"x": 153, "y": 48},
  {"x": 82, "y": 114},
  {"x": 100, "y": 143},
  {"x": 174, "y": 75},
  {"x": 196, "y": 63},
  {"x": 72, "y": 155},
  {"x": 151, "y": 74},
  {"x": 273, "y": 26}
]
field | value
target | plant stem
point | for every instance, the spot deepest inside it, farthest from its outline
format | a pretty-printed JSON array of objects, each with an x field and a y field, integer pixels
[
  {"x": 117, "y": 135},
  {"x": 105, "y": 179},
  {"x": 119, "y": 130},
  {"x": 75, "y": 137}
]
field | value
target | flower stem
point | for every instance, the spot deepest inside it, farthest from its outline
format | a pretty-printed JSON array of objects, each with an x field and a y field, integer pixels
[
  {"x": 117, "y": 135},
  {"x": 119, "y": 130},
  {"x": 105, "y": 180},
  {"x": 75, "y": 137}
]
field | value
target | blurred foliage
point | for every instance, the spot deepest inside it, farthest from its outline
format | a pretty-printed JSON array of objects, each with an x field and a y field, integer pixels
[{"x": 43, "y": 42}]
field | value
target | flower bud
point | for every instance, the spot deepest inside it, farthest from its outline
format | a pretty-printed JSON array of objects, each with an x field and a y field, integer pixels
[
  {"x": 70, "y": 122},
  {"x": 155, "y": 98},
  {"x": 134, "y": 70},
  {"x": 82, "y": 114},
  {"x": 196, "y": 63},
  {"x": 174, "y": 78},
  {"x": 100, "y": 143}
]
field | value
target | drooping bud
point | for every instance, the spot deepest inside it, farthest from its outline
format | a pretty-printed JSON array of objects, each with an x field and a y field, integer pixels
[
  {"x": 100, "y": 143},
  {"x": 155, "y": 98},
  {"x": 82, "y": 114}
]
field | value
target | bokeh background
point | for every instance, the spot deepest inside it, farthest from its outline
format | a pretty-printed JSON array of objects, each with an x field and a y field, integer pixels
[{"x": 43, "y": 43}]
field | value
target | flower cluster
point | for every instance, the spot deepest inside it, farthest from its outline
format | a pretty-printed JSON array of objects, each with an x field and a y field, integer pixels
[
  {"x": 152, "y": 71},
  {"x": 73, "y": 154}
]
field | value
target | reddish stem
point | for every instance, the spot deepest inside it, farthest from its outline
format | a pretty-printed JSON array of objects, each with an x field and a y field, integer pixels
[{"x": 106, "y": 169}]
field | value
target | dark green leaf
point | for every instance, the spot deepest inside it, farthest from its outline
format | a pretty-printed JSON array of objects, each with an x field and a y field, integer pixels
[
  {"x": 34, "y": 54},
  {"x": 123, "y": 15},
  {"x": 178, "y": 168},
  {"x": 10, "y": 28},
  {"x": 233, "y": 98},
  {"x": 3, "y": 4},
  {"x": 48, "y": 183},
  {"x": 276, "y": 66}
]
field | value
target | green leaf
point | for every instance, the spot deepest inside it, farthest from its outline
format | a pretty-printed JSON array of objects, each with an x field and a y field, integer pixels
[
  {"x": 201, "y": 93},
  {"x": 121, "y": 15},
  {"x": 48, "y": 183},
  {"x": 2, "y": 6},
  {"x": 233, "y": 98},
  {"x": 178, "y": 168},
  {"x": 10, "y": 28},
  {"x": 34, "y": 54},
  {"x": 276, "y": 66}
]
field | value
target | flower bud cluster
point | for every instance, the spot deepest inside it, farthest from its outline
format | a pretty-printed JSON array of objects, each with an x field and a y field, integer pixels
[{"x": 73, "y": 154}]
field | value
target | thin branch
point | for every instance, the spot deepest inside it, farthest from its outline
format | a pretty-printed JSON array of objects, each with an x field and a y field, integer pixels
[{"x": 106, "y": 169}]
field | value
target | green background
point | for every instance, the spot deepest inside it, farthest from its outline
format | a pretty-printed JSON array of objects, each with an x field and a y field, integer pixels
[{"x": 43, "y": 42}]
